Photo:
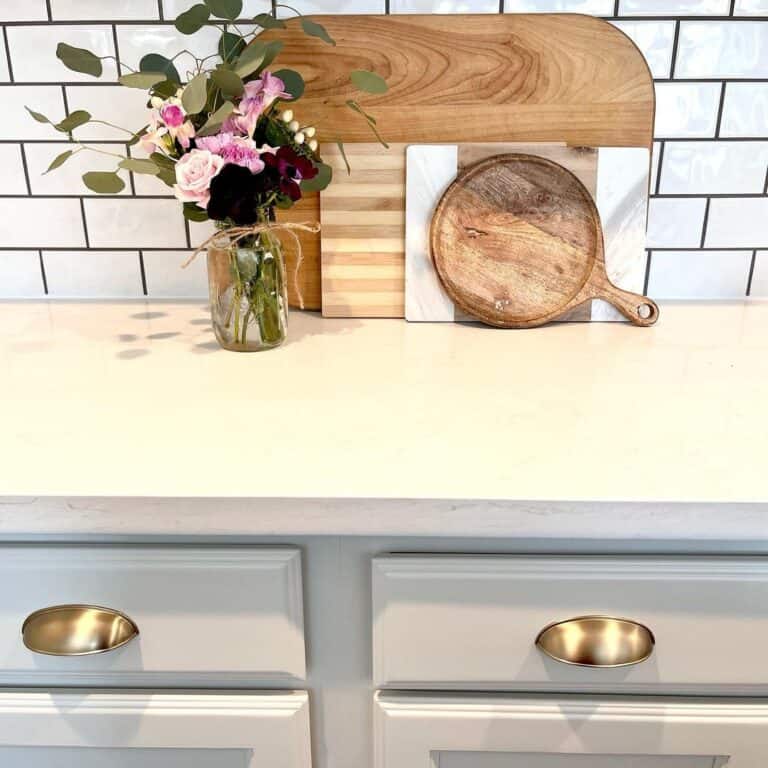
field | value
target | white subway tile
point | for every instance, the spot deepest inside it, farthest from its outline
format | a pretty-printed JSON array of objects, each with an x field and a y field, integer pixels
[
  {"x": 103, "y": 10},
  {"x": 655, "y": 157},
  {"x": 714, "y": 167},
  {"x": 760, "y": 275},
  {"x": 751, "y": 8},
  {"x": 17, "y": 123},
  {"x": 655, "y": 39},
  {"x": 675, "y": 222},
  {"x": 167, "y": 280},
  {"x": 686, "y": 110},
  {"x": 443, "y": 6},
  {"x": 172, "y": 8},
  {"x": 745, "y": 111},
  {"x": 67, "y": 179},
  {"x": 33, "y": 52},
  {"x": 93, "y": 274},
  {"x": 200, "y": 231},
  {"x": 136, "y": 41},
  {"x": 738, "y": 223},
  {"x": 698, "y": 274},
  {"x": 124, "y": 107},
  {"x": 597, "y": 7},
  {"x": 5, "y": 75},
  {"x": 674, "y": 7},
  {"x": 20, "y": 275},
  {"x": 23, "y": 10},
  {"x": 126, "y": 223},
  {"x": 39, "y": 222},
  {"x": 723, "y": 49},
  {"x": 12, "y": 180},
  {"x": 343, "y": 6}
]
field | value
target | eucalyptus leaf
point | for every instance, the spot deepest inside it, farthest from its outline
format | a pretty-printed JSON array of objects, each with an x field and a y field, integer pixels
[
  {"x": 195, "y": 94},
  {"x": 294, "y": 82},
  {"x": 353, "y": 105},
  {"x": 193, "y": 20},
  {"x": 216, "y": 120},
  {"x": 137, "y": 136},
  {"x": 161, "y": 161},
  {"x": 192, "y": 212},
  {"x": 155, "y": 62},
  {"x": 271, "y": 51},
  {"x": 321, "y": 181},
  {"x": 369, "y": 82},
  {"x": 139, "y": 165},
  {"x": 313, "y": 29},
  {"x": 250, "y": 59},
  {"x": 267, "y": 21},
  {"x": 79, "y": 59},
  {"x": 75, "y": 120},
  {"x": 59, "y": 160},
  {"x": 230, "y": 46},
  {"x": 225, "y": 9},
  {"x": 39, "y": 116},
  {"x": 142, "y": 80},
  {"x": 165, "y": 89},
  {"x": 167, "y": 176},
  {"x": 103, "y": 182},
  {"x": 230, "y": 83}
]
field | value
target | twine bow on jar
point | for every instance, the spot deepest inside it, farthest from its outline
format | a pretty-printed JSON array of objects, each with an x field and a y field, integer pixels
[{"x": 236, "y": 234}]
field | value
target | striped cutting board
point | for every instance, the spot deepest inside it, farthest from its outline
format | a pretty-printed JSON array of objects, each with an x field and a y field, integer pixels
[{"x": 363, "y": 232}]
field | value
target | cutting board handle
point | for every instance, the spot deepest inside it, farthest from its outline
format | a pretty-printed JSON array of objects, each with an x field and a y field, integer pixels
[{"x": 638, "y": 309}]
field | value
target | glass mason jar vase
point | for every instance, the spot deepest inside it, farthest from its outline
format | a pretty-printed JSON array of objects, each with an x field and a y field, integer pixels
[{"x": 248, "y": 292}]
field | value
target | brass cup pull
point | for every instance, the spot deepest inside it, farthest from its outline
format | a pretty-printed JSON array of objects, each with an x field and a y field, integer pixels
[
  {"x": 597, "y": 641},
  {"x": 77, "y": 630}
]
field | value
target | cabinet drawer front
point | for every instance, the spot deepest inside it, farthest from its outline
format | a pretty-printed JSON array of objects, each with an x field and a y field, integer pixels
[
  {"x": 218, "y": 615},
  {"x": 471, "y": 622},
  {"x": 145, "y": 730},
  {"x": 568, "y": 732}
]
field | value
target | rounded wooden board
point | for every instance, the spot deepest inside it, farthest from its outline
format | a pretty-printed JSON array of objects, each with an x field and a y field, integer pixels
[{"x": 515, "y": 239}]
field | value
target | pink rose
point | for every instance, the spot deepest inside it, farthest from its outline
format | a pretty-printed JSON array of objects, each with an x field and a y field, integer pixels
[
  {"x": 194, "y": 173},
  {"x": 172, "y": 115}
]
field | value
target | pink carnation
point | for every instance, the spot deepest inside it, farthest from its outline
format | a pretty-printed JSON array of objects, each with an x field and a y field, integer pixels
[{"x": 234, "y": 150}]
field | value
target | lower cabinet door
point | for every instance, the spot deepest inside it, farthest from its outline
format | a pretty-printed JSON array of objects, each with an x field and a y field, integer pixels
[
  {"x": 417, "y": 731},
  {"x": 146, "y": 730}
]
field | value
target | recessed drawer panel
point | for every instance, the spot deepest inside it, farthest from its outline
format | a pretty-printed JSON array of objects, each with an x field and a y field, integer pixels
[
  {"x": 471, "y": 622},
  {"x": 182, "y": 616}
]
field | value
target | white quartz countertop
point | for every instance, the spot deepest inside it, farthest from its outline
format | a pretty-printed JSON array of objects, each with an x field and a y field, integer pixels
[{"x": 126, "y": 417}]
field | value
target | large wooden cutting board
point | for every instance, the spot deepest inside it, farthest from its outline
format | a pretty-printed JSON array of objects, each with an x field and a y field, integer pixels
[
  {"x": 472, "y": 78},
  {"x": 363, "y": 232}
]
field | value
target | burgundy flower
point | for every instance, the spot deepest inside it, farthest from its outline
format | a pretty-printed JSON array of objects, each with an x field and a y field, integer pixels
[{"x": 292, "y": 168}]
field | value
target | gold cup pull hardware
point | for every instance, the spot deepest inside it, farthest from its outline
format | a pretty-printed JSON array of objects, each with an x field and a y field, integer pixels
[
  {"x": 77, "y": 630},
  {"x": 597, "y": 641}
]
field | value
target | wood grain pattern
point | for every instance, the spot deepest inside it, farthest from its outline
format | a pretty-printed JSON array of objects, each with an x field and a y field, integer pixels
[
  {"x": 516, "y": 241},
  {"x": 363, "y": 232},
  {"x": 476, "y": 78}
]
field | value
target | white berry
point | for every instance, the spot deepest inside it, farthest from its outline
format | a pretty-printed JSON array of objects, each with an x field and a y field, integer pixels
[
  {"x": 310, "y": 131},
  {"x": 313, "y": 145},
  {"x": 299, "y": 138},
  {"x": 293, "y": 126},
  {"x": 156, "y": 102},
  {"x": 288, "y": 116}
]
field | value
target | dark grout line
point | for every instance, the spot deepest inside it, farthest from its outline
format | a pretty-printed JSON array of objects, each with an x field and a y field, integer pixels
[
  {"x": 647, "y": 272},
  {"x": 720, "y": 108},
  {"x": 616, "y": 8},
  {"x": 501, "y": 5},
  {"x": 8, "y": 54},
  {"x": 130, "y": 173},
  {"x": 751, "y": 272},
  {"x": 26, "y": 169},
  {"x": 48, "y": 9},
  {"x": 188, "y": 232},
  {"x": 117, "y": 50},
  {"x": 675, "y": 45},
  {"x": 160, "y": 13},
  {"x": 85, "y": 224},
  {"x": 733, "y": 8},
  {"x": 765, "y": 189},
  {"x": 706, "y": 220},
  {"x": 143, "y": 273},
  {"x": 42, "y": 271},
  {"x": 662, "y": 144}
]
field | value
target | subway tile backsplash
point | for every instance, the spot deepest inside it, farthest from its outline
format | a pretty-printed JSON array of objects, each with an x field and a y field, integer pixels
[{"x": 708, "y": 218}]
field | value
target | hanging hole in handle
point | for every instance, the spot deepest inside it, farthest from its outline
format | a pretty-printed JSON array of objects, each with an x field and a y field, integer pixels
[{"x": 645, "y": 311}]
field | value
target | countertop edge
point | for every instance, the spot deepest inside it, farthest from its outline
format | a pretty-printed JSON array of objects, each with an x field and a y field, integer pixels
[{"x": 51, "y": 516}]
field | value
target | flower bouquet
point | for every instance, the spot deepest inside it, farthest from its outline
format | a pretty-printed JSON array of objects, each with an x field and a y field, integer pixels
[{"x": 225, "y": 138}]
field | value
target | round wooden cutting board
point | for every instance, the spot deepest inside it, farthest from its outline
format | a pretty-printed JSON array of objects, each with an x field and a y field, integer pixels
[{"x": 517, "y": 242}]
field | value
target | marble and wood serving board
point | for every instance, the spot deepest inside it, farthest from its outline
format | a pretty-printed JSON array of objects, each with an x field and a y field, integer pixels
[
  {"x": 616, "y": 177},
  {"x": 468, "y": 78}
]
